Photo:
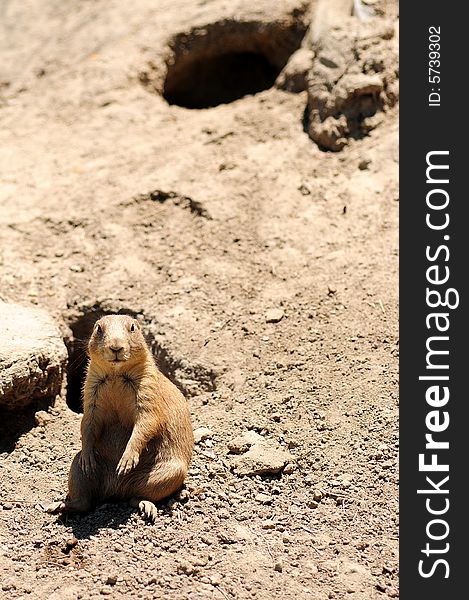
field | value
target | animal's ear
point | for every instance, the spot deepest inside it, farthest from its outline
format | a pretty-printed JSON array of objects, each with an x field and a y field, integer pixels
[
  {"x": 97, "y": 328},
  {"x": 135, "y": 325}
]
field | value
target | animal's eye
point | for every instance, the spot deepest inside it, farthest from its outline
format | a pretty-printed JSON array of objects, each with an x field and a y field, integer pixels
[
  {"x": 99, "y": 329},
  {"x": 132, "y": 327}
]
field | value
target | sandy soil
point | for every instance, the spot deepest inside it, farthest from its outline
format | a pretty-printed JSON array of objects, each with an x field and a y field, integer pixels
[{"x": 264, "y": 271}]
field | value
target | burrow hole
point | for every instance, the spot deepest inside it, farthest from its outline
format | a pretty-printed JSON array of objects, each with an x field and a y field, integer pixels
[
  {"x": 228, "y": 60},
  {"x": 191, "y": 378}
]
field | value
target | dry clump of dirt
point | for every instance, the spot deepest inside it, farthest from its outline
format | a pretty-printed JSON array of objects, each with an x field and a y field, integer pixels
[
  {"x": 353, "y": 81},
  {"x": 262, "y": 267}
]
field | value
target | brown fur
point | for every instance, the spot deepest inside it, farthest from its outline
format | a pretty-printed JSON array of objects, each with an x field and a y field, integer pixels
[{"x": 136, "y": 431}]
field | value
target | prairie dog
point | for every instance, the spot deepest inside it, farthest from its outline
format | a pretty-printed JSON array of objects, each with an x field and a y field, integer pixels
[{"x": 136, "y": 432}]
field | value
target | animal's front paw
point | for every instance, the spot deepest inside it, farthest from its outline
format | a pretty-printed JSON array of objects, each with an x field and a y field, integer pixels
[
  {"x": 87, "y": 462},
  {"x": 128, "y": 462}
]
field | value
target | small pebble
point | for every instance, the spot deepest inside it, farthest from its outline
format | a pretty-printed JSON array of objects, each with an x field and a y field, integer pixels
[
  {"x": 8, "y": 585},
  {"x": 201, "y": 434},
  {"x": 216, "y": 579},
  {"x": 263, "y": 498},
  {"x": 186, "y": 568},
  {"x": 42, "y": 418},
  {"x": 364, "y": 164},
  {"x": 105, "y": 591},
  {"x": 274, "y": 315}
]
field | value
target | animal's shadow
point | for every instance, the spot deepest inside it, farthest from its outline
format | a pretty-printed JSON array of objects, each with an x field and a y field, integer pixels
[{"x": 110, "y": 515}]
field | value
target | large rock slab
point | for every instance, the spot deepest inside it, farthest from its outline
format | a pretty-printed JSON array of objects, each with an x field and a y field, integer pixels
[
  {"x": 256, "y": 455},
  {"x": 354, "y": 76},
  {"x": 243, "y": 442},
  {"x": 33, "y": 355},
  {"x": 261, "y": 459}
]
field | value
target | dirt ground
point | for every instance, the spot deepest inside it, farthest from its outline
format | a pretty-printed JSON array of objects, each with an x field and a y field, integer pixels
[{"x": 264, "y": 271}]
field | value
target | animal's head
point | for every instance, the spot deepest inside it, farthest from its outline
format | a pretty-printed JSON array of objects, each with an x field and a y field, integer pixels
[{"x": 116, "y": 339}]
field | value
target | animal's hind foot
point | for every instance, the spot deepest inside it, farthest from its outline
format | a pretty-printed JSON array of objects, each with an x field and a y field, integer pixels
[
  {"x": 77, "y": 506},
  {"x": 68, "y": 506},
  {"x": 146, "y": 508},
  {"x": 54, "y": 508}
]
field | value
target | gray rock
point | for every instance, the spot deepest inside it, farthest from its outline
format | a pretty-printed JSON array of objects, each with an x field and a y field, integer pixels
[
  {"x": 345, "y": 480},
  {"x": 261, "y": 459},
  {"x": 201, "y": 434},
  {"x": 263, "y": 498},
  {"x": 243, "y": 442},
  {"x": 274, "y": 315},
  {"x": 42, "y": 418},
  {"x": 216, "y": 579},
  {"x": 33, "y": 355}
]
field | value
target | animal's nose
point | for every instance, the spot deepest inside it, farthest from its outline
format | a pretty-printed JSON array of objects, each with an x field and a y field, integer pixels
[{"x": 116, "y": 348}]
